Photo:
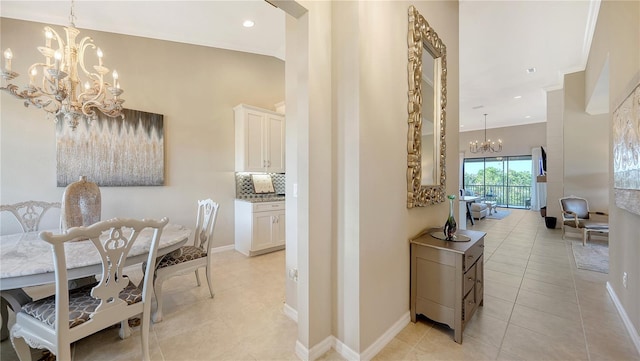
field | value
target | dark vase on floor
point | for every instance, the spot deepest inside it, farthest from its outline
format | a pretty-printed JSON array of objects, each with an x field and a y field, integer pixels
[{"x": 450, "y": 227}]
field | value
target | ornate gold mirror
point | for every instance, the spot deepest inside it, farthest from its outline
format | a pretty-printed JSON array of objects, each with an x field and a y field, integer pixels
[{"x": 427, "y": 70}]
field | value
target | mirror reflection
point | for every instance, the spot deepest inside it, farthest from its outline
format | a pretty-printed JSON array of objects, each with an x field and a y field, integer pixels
[{"x": 428, "y": 121}]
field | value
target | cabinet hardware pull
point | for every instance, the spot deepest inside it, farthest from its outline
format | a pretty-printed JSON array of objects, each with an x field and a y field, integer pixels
[{"x": 470, "y": 279}]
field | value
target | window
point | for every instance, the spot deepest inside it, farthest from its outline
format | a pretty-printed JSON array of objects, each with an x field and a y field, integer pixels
[{"x": 506, "y": 180}]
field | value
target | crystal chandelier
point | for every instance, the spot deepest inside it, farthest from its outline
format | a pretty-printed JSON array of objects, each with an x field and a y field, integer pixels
[
  {"x": 62, "y": 84},
  {"x": 487, "y": 145}
]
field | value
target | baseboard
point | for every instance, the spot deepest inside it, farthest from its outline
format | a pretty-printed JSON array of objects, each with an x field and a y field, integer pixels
[
  {"x": 223, "y": 249},
  {"x": 316, "y": 351},
  {"x": 290, "y": 312},
  {"x": 386, "y": 337},
  {"x": 631, "y": 330},
  {"x": 345, "y": 351}
]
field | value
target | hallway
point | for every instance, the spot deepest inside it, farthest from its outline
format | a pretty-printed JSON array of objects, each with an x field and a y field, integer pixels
[{"x": 537, "y": 305}]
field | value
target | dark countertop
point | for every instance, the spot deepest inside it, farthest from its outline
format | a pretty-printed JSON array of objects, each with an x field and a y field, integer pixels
[{"x": 259, "y": 199}]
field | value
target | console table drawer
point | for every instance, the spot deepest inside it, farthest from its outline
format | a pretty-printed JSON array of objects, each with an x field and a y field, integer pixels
[
  {"x": 469, "y": 279},
  {"x": 472, "y": 255}
]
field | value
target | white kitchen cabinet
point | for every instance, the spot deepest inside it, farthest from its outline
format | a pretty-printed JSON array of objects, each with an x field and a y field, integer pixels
[
  {"x": 259, "y": 140},
  {"x": 259, "y": 227}
]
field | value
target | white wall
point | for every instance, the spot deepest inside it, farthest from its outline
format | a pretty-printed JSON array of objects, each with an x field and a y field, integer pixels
[{"x": 194, "y": 87}]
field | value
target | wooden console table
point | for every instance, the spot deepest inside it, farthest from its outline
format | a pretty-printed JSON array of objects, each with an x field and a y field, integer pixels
[{"x": 447, "y": 278}]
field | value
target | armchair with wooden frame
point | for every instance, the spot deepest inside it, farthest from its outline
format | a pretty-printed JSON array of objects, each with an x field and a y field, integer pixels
[{"x": 576, "y": 214}]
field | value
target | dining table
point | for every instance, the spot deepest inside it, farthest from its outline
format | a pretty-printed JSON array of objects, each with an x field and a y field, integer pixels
[{"x": 26, "y": 260}]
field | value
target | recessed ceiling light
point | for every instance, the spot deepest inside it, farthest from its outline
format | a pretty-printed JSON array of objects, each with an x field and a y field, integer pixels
[
  {"x": 248, "y": 24},
  {"x": 531, "y": 70},
  {"x": 517, "y": 97},
  {"x": 528, "y": 116},
  {"x": 461, "y": 125}
]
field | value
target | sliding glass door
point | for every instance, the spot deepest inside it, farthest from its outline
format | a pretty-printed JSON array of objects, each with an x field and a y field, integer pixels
[{"x": 505, "y": 180}]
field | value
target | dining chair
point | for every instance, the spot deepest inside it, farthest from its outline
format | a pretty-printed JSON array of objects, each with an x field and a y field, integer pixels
[
  {"x": 189, "y": 258},
  {"x": 55, "y": 322},
  {"x": 29, "y": 213}
]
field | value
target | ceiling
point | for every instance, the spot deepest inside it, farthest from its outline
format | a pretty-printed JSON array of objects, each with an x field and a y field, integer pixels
[{"x": 499, "y": 41}]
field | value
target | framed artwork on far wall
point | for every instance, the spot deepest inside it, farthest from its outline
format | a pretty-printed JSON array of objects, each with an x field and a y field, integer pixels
[
  {"x": 626, "y": 152},
  {"x": 112, "y": 151}
]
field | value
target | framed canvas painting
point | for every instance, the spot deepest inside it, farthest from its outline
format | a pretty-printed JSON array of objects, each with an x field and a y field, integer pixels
[{"x": 112, "y": 151}]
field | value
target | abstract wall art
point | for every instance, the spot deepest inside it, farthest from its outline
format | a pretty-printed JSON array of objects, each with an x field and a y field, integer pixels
[
  {"x": 112, "y": 151},
  {"x": 626, "y": 152}
]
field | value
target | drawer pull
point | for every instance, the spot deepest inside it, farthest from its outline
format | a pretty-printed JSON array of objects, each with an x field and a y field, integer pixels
[
  {"x": 470, "y": 278},
  {"x": 481, "y": 246}
]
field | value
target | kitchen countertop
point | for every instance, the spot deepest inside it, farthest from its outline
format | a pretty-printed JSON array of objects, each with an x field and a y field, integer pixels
[{"x": 270, "y": 198}]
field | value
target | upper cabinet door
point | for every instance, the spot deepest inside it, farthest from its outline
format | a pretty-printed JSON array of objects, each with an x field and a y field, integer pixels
[
  {"x": 259, "y": 140},
  {"x": 275, "y": 143}
]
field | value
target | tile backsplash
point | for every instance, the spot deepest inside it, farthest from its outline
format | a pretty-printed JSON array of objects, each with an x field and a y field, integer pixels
[{"x": 244, "y": 187}]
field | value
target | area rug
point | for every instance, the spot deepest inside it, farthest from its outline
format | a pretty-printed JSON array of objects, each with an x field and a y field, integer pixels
[
  {"x": 594, "y": 256},
  {"x": 499, "y": 214}
]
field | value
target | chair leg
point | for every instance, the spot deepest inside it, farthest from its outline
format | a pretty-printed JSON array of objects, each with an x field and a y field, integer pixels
[
  {"x": 125, "y": 330},
  {"x": 157, "y": 289},
  {"x": 563, "y": 232},
  {"x": 209, "y": 280},
  {"x": 22, "y": 349},
  {"x": 197, "y": 278},
  {"x": 4, "y": 313},
  {"x": 585, "y": 234},
  {"x": 146, "y": 325}
]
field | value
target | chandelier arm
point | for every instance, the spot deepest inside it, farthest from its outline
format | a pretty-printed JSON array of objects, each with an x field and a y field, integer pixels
[
  {"x": 85, "y": 43},
  {"x": 60, "y": 42}
]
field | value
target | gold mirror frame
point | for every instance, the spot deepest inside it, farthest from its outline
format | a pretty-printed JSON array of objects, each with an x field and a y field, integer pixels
[{"x": 421, "y": 36}]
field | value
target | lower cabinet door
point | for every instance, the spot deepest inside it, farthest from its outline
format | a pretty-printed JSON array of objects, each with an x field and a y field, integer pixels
[{"x": 263, "y": 224}]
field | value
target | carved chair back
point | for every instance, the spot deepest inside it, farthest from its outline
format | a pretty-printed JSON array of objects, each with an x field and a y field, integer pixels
[
  {"x": 29, "y": 213},
  {"x": 69, "y": 316},
  {"x": 205, "y": 223}
]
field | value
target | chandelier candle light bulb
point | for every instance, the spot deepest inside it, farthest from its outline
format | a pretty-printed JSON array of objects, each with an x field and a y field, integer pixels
[
  {"x": 60, "y": 91},
  {"x": 8, "y": 55}
]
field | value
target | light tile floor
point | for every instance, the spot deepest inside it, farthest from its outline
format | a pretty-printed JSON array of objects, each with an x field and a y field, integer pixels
[{"x": 537, "y": 306}]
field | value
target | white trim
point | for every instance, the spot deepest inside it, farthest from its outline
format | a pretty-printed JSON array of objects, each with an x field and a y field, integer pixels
[
  {"x": 345, "y": 351},
  {"x": 290, "y": 312},
  {"x": 592, "y": 19},
  {"x": 316, "y": 351},
  {"x": 223, "y": 248},
  {"x": 633, "y": 333},
  {"x": 386, "y": 337}
]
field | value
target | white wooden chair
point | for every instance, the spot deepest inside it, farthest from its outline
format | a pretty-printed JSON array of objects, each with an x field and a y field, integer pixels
[
  {"x": 57, "y": 321},
  {"x": 189, "y": 258},
  {"x": 29, "y": 213}
]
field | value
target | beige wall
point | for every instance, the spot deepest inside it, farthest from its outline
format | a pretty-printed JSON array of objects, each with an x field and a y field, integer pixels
[
  {"x": 586, "y": 147},
  {"x": 194, "y": 88},
  {"x": 516, "y": 140},
  {"x": 617, "y": 37},
  {"x": 365, "y": 180}
]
